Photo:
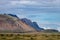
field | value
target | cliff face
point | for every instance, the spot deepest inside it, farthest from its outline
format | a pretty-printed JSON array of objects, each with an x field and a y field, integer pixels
[{"x": 12, "y": 24}]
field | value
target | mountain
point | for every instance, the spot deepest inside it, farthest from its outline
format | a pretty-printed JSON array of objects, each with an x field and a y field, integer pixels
[
  {"x": 50, "y": 30},
  {"x": 37, "y": 27},
  {"x": 51, "y": 26},
  {"x": 13, "y": 15},
  {"x": 32, "y": 24},
  {"x": 10, "y": 23}
]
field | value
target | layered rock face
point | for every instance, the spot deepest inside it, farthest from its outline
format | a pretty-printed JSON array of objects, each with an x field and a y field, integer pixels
[{"x": 9, "y": 23}]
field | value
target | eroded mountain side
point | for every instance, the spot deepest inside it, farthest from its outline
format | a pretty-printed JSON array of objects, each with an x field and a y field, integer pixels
[{"x": 9, "y": 23}]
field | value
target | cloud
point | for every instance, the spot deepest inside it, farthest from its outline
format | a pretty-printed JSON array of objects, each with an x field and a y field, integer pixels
[
  {"x": 24, "y": 2},
  {"x": 40, "y": 3},
  {"x": 58, "y": 28},
  {"x": 30, "y": 3},
  {"x": 51, "y": 26}
]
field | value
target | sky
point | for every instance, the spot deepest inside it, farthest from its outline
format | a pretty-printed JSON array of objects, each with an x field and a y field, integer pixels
[{"x": 45, "y": 12}]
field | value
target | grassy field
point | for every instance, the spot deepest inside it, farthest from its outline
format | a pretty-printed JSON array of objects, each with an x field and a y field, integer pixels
[{"x": 28, "y": 36}]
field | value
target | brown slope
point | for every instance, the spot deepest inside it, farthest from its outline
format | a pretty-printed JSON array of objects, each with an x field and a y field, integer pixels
[{"x": 13, "y": 24}]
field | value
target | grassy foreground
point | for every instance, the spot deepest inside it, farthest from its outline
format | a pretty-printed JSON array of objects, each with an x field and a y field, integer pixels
[{"x": 27, "y": 36}]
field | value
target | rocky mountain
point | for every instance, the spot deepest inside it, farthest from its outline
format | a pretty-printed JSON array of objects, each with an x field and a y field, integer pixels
[
  {"x": 10, "y": 23},
  {"x": 32, "y": 24}
]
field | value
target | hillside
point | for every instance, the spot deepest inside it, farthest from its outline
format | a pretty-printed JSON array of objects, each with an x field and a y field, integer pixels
[
  {"x": 32, "y": 24},
  {"x": 9, "y": 23}
]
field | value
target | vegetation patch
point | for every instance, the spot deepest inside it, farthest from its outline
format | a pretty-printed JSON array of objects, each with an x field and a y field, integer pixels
[{"x": 39, "y": 36}]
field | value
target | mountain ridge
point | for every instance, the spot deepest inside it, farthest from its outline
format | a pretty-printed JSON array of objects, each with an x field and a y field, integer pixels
[
  {"x": 13, "y": 24},
  {"x": 32, "y": 24},
  {"x": 10, "y": 23}
]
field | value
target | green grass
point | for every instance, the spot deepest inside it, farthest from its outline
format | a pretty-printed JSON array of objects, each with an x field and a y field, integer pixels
[{"x": 28, "y": 36}]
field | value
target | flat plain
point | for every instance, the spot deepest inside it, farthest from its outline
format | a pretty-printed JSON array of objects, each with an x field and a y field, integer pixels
[{"x": 29, "y": 36}]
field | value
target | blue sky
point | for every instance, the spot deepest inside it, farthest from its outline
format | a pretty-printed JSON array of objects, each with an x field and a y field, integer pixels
[{"x": 45, "y": 12}]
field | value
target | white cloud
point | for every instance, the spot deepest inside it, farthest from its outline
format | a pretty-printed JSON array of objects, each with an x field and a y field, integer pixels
[
  {"x": 50, "y": 26},
  {"x": 40, "y": 3},
  {"x": 23, "y": 2},
  {"x": 46, "y": 27},
  {"x": 58, "y": 28}
]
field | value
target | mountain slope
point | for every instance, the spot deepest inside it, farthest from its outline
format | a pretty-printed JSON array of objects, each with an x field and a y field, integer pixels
[
  {"x": 12, "y": 24},
  {"x": 32, "y": 24}
]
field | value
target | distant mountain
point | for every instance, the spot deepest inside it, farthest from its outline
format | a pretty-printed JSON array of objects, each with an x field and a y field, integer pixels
[
  {"x": 51, "y": 26},
  {"x": 50, "y": 30},
  {"x": 37, "y": 27},
  {"x": 32, "y": 24},
  {"x": 10, "y": 23}
]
